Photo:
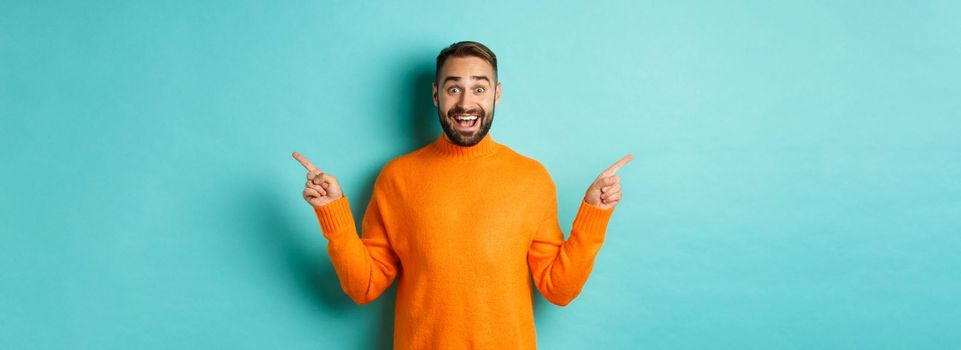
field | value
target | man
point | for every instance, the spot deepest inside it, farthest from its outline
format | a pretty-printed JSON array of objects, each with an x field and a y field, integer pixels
[{"x": 463, "y": 223}]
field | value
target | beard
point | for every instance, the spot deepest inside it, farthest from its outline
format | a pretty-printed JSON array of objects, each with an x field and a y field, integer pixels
[{"x": 461, "y": 138}]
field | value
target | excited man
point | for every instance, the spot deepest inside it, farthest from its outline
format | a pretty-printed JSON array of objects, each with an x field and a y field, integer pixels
[{"x": 463, "y": 223}]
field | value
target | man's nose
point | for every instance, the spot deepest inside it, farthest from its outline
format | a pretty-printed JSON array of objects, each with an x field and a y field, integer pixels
[{"x": 464, "y": 100}]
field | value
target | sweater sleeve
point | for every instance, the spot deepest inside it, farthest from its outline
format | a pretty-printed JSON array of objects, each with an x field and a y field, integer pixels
[
  {"x": 365, "y": 265},
  {"x": 560, "y": 268}
]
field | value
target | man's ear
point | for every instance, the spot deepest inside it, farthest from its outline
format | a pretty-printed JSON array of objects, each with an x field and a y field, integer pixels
[
  {"x": 434, "y": 93},
  {"x": 497, "y": 94}
]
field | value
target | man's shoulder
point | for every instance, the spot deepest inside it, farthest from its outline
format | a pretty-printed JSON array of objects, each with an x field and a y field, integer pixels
[
  {"x": 399, "y": 166},
  {"x": 527, "y": 165},
  {"x": 519, "y": 163},
  {"x": 403, "y": 161}
]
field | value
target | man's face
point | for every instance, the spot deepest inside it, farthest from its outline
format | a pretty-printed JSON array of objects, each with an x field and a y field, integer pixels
[{"x": 465, "y": 96}]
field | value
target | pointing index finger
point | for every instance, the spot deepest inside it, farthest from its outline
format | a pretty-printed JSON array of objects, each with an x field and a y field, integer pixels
[
  {"x": 617, "y": 166},
  {"x": 306, "y": 163}
]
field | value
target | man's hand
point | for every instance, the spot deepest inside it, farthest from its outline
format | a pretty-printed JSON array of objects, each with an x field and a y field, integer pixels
[
  {"x": 605, "y": 192},
  {"x": 321, "y": 188}
]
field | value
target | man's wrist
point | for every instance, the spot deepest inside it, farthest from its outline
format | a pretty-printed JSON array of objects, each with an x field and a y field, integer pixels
[
  {"x": 592, "y": 219},
  {"x": 335, "y": 217}
]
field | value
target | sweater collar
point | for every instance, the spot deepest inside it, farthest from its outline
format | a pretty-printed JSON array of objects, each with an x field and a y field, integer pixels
[{"x": 485, "y": 147}]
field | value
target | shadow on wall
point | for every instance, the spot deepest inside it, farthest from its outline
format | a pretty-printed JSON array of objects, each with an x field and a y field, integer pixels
[
  {"x": 422, "y": 115},
  {"x": 308, "y": 266}
]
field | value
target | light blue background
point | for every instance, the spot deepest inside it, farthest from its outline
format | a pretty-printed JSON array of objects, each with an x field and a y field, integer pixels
[{"x": 797, "y": 180}]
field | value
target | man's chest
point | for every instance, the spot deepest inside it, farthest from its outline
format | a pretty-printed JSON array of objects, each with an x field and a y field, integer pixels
[{"x": 482, "y": 223}]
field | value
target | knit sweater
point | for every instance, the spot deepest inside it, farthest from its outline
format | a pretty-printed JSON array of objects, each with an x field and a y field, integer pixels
[{"x": 463, "y": 230}]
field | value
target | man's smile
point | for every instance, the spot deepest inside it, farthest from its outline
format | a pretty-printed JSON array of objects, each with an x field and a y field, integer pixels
[{"x": 466, "y": 122}]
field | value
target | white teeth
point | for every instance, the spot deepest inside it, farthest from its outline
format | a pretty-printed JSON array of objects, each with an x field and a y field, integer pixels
[{"x": 471, "y": 117}]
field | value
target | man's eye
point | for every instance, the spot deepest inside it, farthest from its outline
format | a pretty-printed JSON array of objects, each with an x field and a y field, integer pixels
[
  {"x": 480, "y": 90},
  {"x": 453, "y": 90}
]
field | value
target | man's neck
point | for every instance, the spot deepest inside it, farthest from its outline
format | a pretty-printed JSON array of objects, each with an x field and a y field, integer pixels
[
  {"x": 486, "y": 146},
  {"x": 451, "y": 141}
]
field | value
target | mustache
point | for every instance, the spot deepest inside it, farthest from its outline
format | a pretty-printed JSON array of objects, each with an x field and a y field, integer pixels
[{"x": 473, "y": 110}]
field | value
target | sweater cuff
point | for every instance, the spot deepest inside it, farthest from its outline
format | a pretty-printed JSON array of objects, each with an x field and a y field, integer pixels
[
  {"x": 592, "y": 220},
  {"x": 335, "y": 218}
]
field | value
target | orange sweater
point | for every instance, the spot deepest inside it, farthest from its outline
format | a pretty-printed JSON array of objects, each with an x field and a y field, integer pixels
[{"x": 463, "y": 229}]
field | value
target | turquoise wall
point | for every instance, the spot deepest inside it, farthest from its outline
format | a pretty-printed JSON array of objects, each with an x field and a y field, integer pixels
[{"x": 796, "y": 185}]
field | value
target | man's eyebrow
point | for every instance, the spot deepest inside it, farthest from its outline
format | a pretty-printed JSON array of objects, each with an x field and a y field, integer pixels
[{"x": 473, "y": 77}]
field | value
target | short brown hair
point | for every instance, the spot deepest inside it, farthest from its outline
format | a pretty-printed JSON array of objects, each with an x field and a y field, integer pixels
[{"x": 465, "y": 49}]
